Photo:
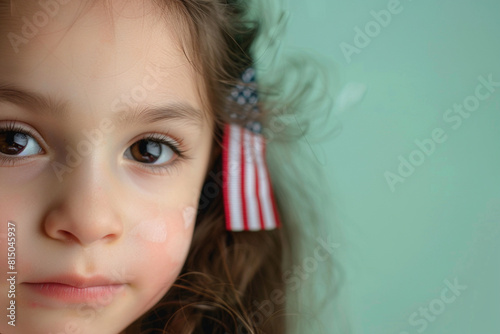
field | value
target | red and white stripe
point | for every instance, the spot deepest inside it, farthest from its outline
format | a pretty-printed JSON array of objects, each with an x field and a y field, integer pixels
[{"x": 248, "y": 195}]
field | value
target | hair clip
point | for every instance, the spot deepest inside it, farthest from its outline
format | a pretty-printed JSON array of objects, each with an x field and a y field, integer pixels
[{"x": 249, "y": 202}]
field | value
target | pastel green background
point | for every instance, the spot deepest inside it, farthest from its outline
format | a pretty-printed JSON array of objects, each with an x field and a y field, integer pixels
[{"x": 443, "y": 222}]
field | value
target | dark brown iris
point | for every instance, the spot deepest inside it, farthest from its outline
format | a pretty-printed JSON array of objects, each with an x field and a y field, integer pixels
[
  {"x": 12, "y": 143},
  {"x": 146, "y": 151}
]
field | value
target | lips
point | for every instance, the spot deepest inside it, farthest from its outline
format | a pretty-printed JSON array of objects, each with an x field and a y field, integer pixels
[{"x": 73, "y": 289}]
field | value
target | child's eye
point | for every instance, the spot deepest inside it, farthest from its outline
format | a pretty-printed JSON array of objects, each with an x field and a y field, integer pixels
[
  {"x": 15, "y": 141},
  {"x": 158, "y": 152},
  {"x": 153, "y": 150}
]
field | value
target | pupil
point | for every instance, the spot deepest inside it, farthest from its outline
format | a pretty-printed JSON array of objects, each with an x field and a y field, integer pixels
[
  {"x": 12, "y": 143},
  {"x": 146, "y": 151}
]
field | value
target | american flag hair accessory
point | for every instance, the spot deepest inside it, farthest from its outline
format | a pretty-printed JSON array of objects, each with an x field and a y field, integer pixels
[
  {"x": 249, "y": 202},
  {"x": 248, "y": 195}
]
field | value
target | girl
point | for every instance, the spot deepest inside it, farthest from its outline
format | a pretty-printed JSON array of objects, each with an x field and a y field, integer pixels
[{"x": 132, "y": 204}]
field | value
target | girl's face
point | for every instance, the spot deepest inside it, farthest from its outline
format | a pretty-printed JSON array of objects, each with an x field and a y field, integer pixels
[{"x": 103, "y": 151}]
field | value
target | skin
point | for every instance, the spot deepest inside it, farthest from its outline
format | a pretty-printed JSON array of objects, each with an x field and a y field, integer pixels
[{"x": 108, "y": 214}]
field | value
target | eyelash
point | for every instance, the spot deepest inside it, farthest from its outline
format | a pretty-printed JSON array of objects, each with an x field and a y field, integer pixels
[{"x": 174, "y": 144}]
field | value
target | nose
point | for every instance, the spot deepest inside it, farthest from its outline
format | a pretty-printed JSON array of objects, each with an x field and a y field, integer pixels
[{"x": 85, "y": 210}]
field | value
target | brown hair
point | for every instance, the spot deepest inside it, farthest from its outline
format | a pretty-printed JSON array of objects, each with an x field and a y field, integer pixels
[
  {"x": 226, "y": 274},
  {"x": 236, "y": 282}
]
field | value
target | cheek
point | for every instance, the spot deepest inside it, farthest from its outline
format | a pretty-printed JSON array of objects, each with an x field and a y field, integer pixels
[
  {"x": 159, "y": 248},
  {"x": 162, "y": 241},
  {"x": 11, "y": 206},
  {"x": 150, "y": 231},
  {"x": 189, "y": 216}
]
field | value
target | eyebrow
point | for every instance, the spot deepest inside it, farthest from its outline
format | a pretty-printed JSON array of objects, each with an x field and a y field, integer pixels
[
  {"x": 173, "y": 111},
  {"x": 44, "y": 105}
]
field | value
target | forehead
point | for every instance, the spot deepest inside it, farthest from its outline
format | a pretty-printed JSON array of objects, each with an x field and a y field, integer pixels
[
  {"x": 93, "y": 48},
  {"x": 109, "y": 21}
]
